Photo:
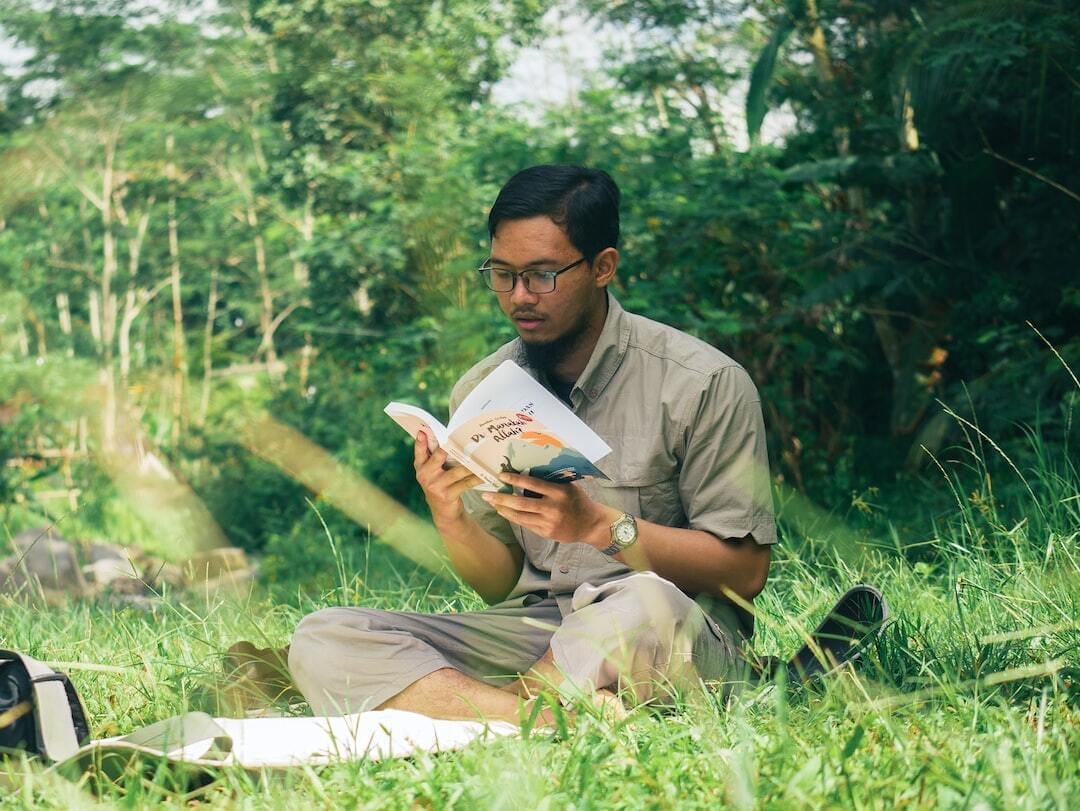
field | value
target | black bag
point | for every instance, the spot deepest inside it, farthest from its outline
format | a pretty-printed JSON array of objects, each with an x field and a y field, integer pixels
[
  {"x": 849, "y": 628},
  {"x": 40, "y": 712}
]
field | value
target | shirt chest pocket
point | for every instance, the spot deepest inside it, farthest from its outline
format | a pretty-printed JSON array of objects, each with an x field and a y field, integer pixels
[{"x": 649, "y": 491}]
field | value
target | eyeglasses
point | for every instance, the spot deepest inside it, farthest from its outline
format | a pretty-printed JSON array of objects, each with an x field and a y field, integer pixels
[{"x": 502, "y": 280}]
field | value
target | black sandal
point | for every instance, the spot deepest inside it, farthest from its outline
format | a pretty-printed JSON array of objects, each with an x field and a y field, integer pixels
[{"x": 848, "y": 629}]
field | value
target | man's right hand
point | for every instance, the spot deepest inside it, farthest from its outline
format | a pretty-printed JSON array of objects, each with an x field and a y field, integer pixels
[
  {"x": 443, "y": 485},
  {"x": 482, "y": 560}
]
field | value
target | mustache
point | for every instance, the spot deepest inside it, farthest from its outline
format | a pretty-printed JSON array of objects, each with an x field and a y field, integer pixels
[{"x": 525, "y": 314}]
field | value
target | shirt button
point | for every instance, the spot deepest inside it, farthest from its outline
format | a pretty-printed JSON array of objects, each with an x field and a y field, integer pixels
[{"x": 564, "y": 569}]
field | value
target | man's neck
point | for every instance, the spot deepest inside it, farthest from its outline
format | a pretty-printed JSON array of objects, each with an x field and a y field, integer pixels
[{"x": 570, "y": 368}]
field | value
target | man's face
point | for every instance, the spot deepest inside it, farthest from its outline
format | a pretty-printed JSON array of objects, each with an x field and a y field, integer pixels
[{"x": 563, "y": 314}]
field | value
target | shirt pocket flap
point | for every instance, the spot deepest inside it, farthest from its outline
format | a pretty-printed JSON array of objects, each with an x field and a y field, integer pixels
[
  {"x": 649, "y": 492},
  {"x": 634, "y": 476},
  {"x": 638, "y": 461}
]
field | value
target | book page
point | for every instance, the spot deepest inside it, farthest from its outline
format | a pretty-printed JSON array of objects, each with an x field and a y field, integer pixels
[{"x": 414, "y": 419}]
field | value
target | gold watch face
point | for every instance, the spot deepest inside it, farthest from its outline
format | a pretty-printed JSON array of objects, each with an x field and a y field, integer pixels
[{"x": 624, "y": 531}]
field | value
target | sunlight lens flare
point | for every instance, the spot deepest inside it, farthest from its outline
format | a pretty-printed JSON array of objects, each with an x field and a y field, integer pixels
[{"x": 332, "y": 482}]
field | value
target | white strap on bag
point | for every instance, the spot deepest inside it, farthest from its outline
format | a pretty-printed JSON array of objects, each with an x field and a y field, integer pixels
[
  {"x": 58, "y": 715},
  {"x": 56, "y": 733}
]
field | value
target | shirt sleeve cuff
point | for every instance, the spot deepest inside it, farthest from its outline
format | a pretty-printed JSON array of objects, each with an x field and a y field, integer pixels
[{"x": 761, "y": 528}]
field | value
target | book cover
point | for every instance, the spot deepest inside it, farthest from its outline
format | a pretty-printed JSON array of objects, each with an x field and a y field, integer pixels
[{"x": 510, "y": 423}]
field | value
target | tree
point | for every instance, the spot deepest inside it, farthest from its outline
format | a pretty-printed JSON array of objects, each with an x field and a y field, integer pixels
[{"x": 896, "y": 200}]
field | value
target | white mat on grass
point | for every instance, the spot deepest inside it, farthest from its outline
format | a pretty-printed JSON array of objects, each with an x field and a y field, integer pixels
[{"x": 256, "y": 743}]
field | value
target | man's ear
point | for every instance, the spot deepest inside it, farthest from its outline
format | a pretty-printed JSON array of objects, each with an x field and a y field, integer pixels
[{"x": 606, "y": 263}]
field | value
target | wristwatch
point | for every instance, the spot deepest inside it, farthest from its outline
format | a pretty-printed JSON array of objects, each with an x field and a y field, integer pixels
[{"x": 623, "y": 534}]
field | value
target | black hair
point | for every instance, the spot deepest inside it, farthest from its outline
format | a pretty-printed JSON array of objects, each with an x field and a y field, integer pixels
[{"x": 584, "y": 203}]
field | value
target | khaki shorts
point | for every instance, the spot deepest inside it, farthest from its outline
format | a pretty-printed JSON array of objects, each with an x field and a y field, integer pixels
[{"x": 639, "y": 633}]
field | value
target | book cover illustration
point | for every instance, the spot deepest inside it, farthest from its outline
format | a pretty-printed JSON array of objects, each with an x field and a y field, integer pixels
[
  {"x": 510, "y": 423},
  {"x": 515, "y": 442}
]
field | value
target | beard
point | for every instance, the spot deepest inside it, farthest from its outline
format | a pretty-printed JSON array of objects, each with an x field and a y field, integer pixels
[{"x": 545, "y": 355}]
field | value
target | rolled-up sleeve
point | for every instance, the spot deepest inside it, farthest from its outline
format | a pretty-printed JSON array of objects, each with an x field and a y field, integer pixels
[
  {"x": 487, "y": 519},
  {"x": 724, "y": 477}
]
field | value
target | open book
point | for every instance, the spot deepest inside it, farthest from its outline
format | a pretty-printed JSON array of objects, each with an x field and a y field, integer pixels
[{"x": 510, "y": 423}]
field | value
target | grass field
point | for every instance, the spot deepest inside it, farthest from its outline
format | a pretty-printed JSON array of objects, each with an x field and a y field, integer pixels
[{"x": 971, "y": 698}]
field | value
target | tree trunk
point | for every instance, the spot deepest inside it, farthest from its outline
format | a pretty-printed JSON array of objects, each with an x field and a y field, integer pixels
[
  {"x": 915, "y": 358},
  {"x": 63, "y": 314},
  {"x": 267, "y": 322},
  {"x": 93, "y": 304},
  {"x": 661, "y": 108},
  {"x": 39, "y": 331},
  {"x": 134, "y": 300},
  {"x": 103, "y": 310},
  {"x": 306, "y": 354},
  {"x": 208, "y": 343},
  {"x": 266, "y": 298},
  {"x": 124, "y": 338},
  {"x": 109, "y": 263},
  {"x": 179, "y": 353},
  {"x": 815, "y": 38},
  {"x": 909, "y": 135}
]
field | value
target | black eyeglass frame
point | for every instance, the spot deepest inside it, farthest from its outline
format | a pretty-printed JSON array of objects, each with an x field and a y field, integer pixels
[{"x": 524, "y": 275}]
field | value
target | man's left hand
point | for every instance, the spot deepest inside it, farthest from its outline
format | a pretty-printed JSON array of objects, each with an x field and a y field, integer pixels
[{"x": 563, "y": 512}]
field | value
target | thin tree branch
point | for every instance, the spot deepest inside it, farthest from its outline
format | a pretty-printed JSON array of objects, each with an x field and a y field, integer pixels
[
  {"x": 896, "y": 314},
  {"x": 85, "y": 190},
  {"x": 63, "y": 264},
  {"x": 1053, "y": 184},
  {"x": 272, "y": 328}
]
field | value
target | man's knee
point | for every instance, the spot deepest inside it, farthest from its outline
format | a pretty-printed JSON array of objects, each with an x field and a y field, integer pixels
[
  {"x": 323, "y": 633},
  {"x": 330, "y": 624},
  {"x": 650, "y": 602},
  {"x": 638, "y": 635}
]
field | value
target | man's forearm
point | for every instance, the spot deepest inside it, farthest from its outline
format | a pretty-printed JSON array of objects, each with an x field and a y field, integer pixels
[
  {"x": 692, "y": 559},
  {"x": 696, "y": 561},
  {"x": 480, "y": 559}
]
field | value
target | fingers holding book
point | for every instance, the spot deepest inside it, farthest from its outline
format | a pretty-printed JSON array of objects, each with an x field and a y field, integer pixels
[
  {"x": 442, "y": 483},
  {"x": 561, "y": 512},
  {"x": 423, "y": 448}
]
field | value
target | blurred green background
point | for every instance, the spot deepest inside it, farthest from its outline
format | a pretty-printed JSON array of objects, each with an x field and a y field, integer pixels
[{"x": 212, "y": 211}]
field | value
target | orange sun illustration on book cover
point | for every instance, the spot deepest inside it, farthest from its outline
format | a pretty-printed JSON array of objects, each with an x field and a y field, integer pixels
[{"x": 540, "y": 438}]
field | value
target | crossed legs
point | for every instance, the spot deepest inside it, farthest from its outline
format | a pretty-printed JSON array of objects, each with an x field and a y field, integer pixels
[{"x": 639, "y": 634}]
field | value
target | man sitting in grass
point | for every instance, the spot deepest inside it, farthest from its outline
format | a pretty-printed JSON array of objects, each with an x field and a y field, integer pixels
[{"x": 607, "y": 589}]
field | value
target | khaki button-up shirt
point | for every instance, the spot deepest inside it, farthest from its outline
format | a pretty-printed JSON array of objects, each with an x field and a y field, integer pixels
[{"x": 688, "y": 447}]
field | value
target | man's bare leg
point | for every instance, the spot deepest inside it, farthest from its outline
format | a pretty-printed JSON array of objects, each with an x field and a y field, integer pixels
[
  {"x": 545, "y": 675},
  {"x": 448, "y": 693}
]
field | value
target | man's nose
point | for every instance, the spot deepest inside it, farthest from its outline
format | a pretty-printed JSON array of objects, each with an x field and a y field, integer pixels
[{"x": 520, "y": 293}]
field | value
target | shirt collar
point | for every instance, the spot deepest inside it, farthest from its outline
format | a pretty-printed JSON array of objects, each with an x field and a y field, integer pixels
[{"x": 606, "y": 355}]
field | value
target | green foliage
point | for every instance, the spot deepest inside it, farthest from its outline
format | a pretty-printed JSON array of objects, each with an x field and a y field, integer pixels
[
  {"x": 906, "y": 243},
  {"x": 761, "y": 78},
  {"x": 328, "y": 195},
  {"x": 327, "y": 183}
]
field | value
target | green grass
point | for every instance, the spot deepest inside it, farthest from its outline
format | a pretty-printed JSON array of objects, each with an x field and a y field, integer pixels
[
  {"x": 970, "y": 699},
  {"x": 942, "y": 714}
]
